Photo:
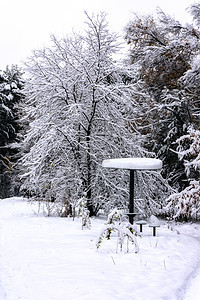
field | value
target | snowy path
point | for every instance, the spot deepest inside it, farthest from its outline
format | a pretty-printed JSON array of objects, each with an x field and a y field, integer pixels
[
  {"x": 191, "y": 291},
  {"x": 53, "y": 259},
  {"x": 2, "y": 294},
  {"x": 193, "y": 288}
]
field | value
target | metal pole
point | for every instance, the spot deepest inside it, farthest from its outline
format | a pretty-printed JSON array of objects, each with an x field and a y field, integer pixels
[{"x": 131, "y": 199}]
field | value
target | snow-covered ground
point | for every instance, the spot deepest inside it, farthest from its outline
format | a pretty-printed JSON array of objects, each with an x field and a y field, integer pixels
[{"x": 54, "y": 259}]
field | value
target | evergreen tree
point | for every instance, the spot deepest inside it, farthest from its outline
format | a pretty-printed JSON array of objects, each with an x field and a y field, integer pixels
[
  {"x": 186, "y": 204},
  {"x": 11, "y": 85},
  {"x": 162, "y": 52}
]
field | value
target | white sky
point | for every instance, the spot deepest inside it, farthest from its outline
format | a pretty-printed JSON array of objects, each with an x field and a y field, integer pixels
[{"x": 27, "y": 24}]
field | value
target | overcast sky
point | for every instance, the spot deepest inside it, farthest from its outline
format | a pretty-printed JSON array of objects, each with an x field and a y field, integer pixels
[{"x": 27, "y": 24}]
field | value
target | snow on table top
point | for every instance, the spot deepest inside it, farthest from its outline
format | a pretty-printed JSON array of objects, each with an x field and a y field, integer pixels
[{"x": 134, "y": 163}]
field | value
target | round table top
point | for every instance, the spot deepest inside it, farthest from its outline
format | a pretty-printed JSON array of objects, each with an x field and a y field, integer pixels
[{"x": 134, "y": 163}]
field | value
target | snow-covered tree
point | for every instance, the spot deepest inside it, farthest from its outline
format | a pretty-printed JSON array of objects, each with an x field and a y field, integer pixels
[
  {"x": 78, "y": 104},
  {"x": 162, "y": 51},
  {"x": 191, "y": 155},
  {"x": 194, "y": 9},
  {"x": 11, "y": 85},
  {"x": 83, "y": 212},
  {"x": 187, "y": 202}
]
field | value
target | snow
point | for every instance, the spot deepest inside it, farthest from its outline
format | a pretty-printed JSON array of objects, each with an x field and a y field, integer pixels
[
  {"x": 54, "y": 259},
  {"x": 134, "y": 163},
  {"x": 193, "y": 292}
]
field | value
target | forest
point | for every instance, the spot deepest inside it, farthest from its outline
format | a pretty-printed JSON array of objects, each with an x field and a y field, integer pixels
[{"x": 79, "y": 101}]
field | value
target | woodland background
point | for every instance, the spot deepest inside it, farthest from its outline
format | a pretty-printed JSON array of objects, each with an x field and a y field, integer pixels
[{"x": 76, "y": 103}]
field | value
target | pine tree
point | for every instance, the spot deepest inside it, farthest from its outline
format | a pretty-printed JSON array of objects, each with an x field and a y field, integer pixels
[
  {"x": 186, "y": 204},
  {"x": 162, "y": 51},
  {"x": 11, "y": 85}
]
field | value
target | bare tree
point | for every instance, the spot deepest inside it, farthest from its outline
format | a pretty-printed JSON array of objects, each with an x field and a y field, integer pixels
[{"x": 80, "y": 112}]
